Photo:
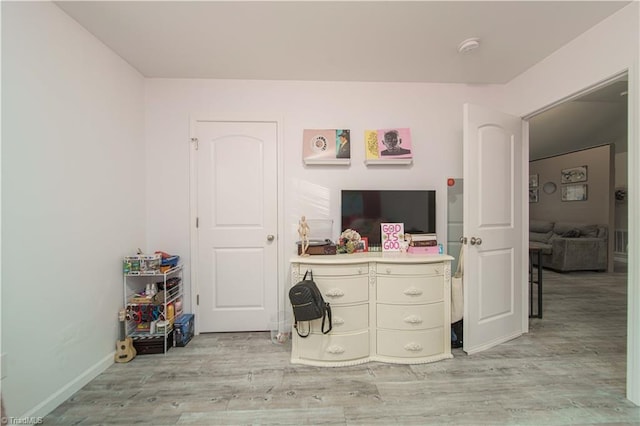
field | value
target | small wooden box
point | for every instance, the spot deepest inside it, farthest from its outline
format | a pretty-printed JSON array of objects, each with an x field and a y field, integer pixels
[
  {"x": 318, "y": 247},
  {"x": 152, "y": 344}
]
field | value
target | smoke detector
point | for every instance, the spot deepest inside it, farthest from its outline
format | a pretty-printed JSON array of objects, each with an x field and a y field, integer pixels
[{"x": 468, "y": 45}]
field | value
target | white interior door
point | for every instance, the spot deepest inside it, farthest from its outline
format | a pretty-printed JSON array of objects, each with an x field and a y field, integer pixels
[
  {"x": 237, "y": 266},
  {"x": 494, "y": 278}
]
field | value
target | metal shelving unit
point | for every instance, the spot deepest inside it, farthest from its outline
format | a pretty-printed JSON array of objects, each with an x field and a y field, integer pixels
[{"x": 149, "y": 320}]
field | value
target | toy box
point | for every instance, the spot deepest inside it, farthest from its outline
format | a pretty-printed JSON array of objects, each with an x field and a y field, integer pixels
[
  {"x": 183, "y": 329},
  {"x": 152, "y": 344}
]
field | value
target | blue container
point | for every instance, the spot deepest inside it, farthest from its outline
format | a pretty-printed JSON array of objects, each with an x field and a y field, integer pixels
[{"x": 183, "y": 329}]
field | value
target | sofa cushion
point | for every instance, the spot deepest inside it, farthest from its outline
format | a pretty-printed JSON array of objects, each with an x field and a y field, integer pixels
[
  {"x": 561, "y": 227},
  {"x": 590, "y": 231},
  {"x": 540, "y": 237},
  {"x": 602, "y": 232},
  {"x": 540, "y": 226}
]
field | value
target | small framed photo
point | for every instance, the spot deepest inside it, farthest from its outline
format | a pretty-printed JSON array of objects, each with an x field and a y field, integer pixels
[
  {"x": 533, "y": 195},
  {"x": 574, "y": 192},
  {"x": 363, "y": 245},
  {"x": 533, "y": 181},
  {"x": 574, "y": 174}
]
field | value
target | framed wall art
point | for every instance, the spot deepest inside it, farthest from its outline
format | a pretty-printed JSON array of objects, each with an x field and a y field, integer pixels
[
  {"x": 533, "y": 195},
  {"x": 533, "y": 181},
  {"x": 326, "y": 146},
  {"x": 388, "y": 146},
  {"x": 574, "y": 192},
  {"x": 574, "y": 174}
]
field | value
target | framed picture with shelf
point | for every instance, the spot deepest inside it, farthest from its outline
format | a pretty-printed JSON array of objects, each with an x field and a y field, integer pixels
[
  {"x": 388, "y": 146},
  {"x": 326, "y": 147}
]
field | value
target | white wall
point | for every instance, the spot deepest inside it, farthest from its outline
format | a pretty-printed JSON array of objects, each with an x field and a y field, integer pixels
[
  {"x": 433, "y": 112},
  {"x": 73, "y": 202},
  {"x": 607, "y": 49}
]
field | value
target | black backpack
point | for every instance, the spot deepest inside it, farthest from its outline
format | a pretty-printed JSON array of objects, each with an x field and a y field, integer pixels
[{"x": 308, "y": 304}]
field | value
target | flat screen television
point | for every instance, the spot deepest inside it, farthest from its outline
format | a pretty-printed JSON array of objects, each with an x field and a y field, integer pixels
[{"x": 365, "y": 210}]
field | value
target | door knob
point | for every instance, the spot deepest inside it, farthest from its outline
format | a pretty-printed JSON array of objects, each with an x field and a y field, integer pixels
[
  {"x": 463, "y": 240},
  {"x": 475, "y": 241},
  {"x": 270, "y": 237}
]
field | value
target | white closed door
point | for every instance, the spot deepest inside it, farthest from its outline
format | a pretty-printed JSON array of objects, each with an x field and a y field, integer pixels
[
  {"x": 494, "y": 278},
  {"x": 237, "y": 265}
]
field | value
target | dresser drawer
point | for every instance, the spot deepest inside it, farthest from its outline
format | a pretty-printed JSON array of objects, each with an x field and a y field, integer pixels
[
  {"x": 410, "y": 289},
  {"x": 411, "y": 344},
  {"x": 334, "y": 270},
  {"x": 341, "y": 290},
  {"x": 334, "y": 347},
  {"x": 409, "y": 268},
  {"x": 345, "y": 319},
  {"x": 410, "y": 317}
]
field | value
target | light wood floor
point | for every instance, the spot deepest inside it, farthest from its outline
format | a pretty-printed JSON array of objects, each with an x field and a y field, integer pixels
[{"x": 570, "y": 369}]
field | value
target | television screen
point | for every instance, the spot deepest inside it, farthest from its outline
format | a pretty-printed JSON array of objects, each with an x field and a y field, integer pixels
[{"x": 365, "y": 210}]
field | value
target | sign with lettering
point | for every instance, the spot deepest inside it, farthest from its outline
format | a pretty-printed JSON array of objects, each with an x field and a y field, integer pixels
[{"x": 391, "y": 235}]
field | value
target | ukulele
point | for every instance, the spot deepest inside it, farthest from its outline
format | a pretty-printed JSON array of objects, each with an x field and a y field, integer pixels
[{"x": 125, "y": 351}]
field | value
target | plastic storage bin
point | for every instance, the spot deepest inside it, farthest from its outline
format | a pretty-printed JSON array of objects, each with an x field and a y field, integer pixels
[
  {"x": 183, "y": 329},
  {"x": 281, "y": 325}
]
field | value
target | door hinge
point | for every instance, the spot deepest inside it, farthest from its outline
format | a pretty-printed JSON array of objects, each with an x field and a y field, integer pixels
[
  {"x": 195, "y": 142},
  {"x": 197, "y": 221},
  {"x": 198, "y": 299}
]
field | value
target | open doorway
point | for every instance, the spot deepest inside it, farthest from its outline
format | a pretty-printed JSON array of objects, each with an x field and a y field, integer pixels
[{"x": 597, "y": 117}]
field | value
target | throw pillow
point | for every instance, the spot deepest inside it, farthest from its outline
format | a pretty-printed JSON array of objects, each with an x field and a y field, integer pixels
[{"x": 573, "y": 233}]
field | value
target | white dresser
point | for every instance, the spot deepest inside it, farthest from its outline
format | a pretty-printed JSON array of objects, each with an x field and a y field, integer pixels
[{"x": 389, "y": 307}]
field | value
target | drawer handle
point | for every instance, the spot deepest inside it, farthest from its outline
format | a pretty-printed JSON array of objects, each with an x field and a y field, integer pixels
[
  {"x": 413, "y": 347},
  {"x": 412, "y": 291},
  {"x": 413, "y": 319},
  {"x": 335, "y": 350},
  {"x": 335, "y": 292},
  {"x": 388, "y": 270},
  {"x": 338, "y": 321}
]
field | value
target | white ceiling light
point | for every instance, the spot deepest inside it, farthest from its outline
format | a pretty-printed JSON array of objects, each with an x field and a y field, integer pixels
[{"x": 468, "y": 45}]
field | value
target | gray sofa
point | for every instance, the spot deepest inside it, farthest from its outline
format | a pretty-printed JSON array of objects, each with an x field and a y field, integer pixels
[{"x": 570, "y": 246}]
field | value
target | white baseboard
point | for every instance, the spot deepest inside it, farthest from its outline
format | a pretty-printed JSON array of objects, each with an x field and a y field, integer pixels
[{"x": 53, "y": 401}]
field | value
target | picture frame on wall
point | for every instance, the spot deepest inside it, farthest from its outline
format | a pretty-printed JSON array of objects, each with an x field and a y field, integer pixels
[
  {"x": 573, "y": 175},
  {"x": 533, "y": 195},
  {"x": 574, "y": 192},
  {"x": 326, "y": 146},
  {"x": 533, "y": 181}
]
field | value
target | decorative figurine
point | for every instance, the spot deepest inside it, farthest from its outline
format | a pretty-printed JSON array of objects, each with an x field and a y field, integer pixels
[{"x": 303, "y": 231}]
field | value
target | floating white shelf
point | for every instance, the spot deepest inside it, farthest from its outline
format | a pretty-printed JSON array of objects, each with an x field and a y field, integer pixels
[
  {"x": 389, "y": 161},
  {"x": 329, "y": 162}
]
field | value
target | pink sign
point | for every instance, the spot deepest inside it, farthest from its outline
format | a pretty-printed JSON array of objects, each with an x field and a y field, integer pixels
[{"x": 392, "y": 234}]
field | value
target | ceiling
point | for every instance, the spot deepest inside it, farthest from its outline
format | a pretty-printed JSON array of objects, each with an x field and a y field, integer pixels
[{"x": 375, "y": 41}]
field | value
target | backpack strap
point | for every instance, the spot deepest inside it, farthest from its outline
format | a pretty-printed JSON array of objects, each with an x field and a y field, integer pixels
[
  {"x": 298, "y": 329},
  {"x": 327, "y": 313}
]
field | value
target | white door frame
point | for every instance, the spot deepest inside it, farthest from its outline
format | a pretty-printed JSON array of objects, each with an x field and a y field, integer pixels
[
  {"x": 633, "y": 177},
  {"x": 193, "y": 203}
]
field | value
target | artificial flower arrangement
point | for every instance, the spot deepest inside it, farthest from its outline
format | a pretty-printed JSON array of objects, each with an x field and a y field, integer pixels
[{"x": 349, "y": 241}]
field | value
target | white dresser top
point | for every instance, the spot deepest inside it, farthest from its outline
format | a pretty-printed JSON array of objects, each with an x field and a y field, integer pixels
[{"x": 380, "y": 257}]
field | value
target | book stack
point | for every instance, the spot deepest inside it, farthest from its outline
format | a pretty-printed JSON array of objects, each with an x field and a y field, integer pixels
[{"x": 423, "y": 243}]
